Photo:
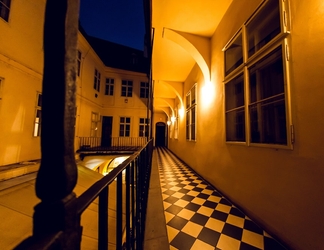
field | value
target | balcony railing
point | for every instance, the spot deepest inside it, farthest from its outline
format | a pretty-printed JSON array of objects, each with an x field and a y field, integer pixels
[
  {"x": 114, "y": 143},
  {"x": 132, "y": 183}
]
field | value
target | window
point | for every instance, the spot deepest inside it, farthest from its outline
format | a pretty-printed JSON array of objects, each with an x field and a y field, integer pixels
[
  {"x": 256, "y": 111},
  {"x": 5, "y": 9},
  {"x": 1, "y": 87},
  {"x": 38, "y": 115},
  {"x": 144, "y": 90},
  {"x": 143, "y": 127},
  {"x": 96, "y": 84},
  {"x": 127, "y": 88},
  {"x": 109, "y": 89},
  {"x": 94, "y": 124},
  {"x": 79, "y": 62},
  {"x": 176, "y": 123},
  {"x": 191, "y": 106},
  {"x": 124, "y": 127}
]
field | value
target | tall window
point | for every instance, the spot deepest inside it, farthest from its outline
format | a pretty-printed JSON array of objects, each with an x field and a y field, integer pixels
[
  {"x": 79, "y": 62},
  {"x": 124, "y": 126},
  {"x": 94, "y": 124},
  {"x": 96, "y": 84},
  {"x": 176, "y": 123},
  {"x": 109, "y": 88},
  {"x": 256, "y": 83},
  {"x": 38, "y": 115},
  {"x": 127, "y": 88},
  {"x": 144, "y": 90},
  {"x": 5, "y": 9},
  {"x": 143, "y": 127},
  {"x": 191, "y": 107}
]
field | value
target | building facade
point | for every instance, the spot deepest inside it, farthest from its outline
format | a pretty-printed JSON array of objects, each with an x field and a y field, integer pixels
[{"x": 112, "y": 91}]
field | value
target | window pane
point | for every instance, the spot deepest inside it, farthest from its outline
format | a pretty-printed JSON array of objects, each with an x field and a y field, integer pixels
[
  {"x": 267, "y": 108},
  {"x": 268, "y": 122},
  {"x": 234, "y": 55},
  {"x": 263, "y": 27},
  {"x": 235, "y": 125},
  {"x": 234, "y": 93},
  {"x": 266, "y": 77}
]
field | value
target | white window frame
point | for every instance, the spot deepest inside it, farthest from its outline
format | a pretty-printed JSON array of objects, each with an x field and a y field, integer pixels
[
  {"x": 125, "y": 126},
  {"x": 144, "y": 127},
  {"x": 259, "y": 56},
  {"x": 144, "y": 88},
  {"x": 96, "y": 83},
  {"x": 95, "y": 119},
  {"x": 191, "y": 114},
  {"x": 127, "y": 88},
  {"x": 109, "y": 87}
]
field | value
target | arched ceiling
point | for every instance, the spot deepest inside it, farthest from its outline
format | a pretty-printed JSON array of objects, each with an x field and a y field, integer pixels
[{"x": 171, "y": 62}]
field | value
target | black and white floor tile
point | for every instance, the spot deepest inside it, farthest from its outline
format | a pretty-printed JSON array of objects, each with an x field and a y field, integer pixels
[{"x": 199, "y": 217}]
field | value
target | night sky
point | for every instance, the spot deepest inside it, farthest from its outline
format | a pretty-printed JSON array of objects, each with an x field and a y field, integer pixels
[{"x": 118, "y": 21}]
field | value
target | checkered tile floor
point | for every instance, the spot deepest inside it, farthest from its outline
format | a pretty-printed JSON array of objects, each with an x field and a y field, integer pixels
[{"x": 199, "y": 217}]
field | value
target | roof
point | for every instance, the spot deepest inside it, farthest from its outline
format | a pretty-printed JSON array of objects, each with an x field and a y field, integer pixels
[{"x": 116, "y": 55}]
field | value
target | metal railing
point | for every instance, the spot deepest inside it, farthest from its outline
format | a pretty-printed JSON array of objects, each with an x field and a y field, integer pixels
[
  {"x": 116, "y": 143},
  {"x": 134, "y": 174}
]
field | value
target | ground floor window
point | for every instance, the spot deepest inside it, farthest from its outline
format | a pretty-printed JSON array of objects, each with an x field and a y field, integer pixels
[{"x": 124, "y": 126}]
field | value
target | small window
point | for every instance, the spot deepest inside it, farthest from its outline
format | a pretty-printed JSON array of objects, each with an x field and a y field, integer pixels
[
  {"x": 5, "y": 9},
  {"x": 94, "y": 124},
  {"x": 144, "y": 90},
  {"x": 124, "y": 127},
  {"x": 143, "y": 127},
  {"x": 38, "y": 115},
  {"x": 109, "y": 88},
  {"x": 96, "y": 84},
  {"x": 127, "y": 88},
  {"x": 191, "y": 104}
]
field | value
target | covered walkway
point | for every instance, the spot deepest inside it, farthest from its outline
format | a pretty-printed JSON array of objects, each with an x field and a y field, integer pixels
[{"x": 195, "y": 214}]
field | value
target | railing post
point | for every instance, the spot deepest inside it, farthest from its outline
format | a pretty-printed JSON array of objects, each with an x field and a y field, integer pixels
[{"x": 57, "y": 175}]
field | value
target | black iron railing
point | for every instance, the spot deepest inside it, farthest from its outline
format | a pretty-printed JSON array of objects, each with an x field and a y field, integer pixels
[
  {"x": 134, "y": 175},
  {"x": 115, "y": 143}
]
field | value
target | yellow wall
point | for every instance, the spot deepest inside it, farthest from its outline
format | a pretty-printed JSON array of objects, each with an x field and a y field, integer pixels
[
  {"x": 280, "y": 188},
  {"x": 21, "y": 64}
]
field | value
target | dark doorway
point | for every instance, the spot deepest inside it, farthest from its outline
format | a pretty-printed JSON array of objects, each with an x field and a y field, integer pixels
[
  {"x": 106, "y": 131},
  {"x": 160, "y": 134}
]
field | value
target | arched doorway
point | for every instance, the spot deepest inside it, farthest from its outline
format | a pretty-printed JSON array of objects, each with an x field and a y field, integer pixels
[{"x": 160, "y": 134}]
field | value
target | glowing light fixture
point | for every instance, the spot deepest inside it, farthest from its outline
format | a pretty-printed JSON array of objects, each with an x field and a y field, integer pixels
[
  {"x": 208, "y": 93},
  {"x": 173, "y": 119},
  {"x": 169, "y": 123}
]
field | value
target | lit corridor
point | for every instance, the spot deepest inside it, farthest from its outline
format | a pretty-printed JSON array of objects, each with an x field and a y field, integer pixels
[{"x": 198, "y": 217}]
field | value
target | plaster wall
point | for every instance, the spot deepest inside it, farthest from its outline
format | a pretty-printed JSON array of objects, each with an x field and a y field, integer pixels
[{"x": 280, "y": 188}]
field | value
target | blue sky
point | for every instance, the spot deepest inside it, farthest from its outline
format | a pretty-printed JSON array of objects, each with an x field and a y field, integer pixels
[{"x": 118, "y": 21}]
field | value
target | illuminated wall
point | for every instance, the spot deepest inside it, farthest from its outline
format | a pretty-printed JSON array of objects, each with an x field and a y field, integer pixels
[{"x": 280, "y": 188}]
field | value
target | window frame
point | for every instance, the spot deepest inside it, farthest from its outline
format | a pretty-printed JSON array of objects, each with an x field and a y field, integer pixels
[
  {"x": 5, "y": 14},
  {"x": 123, "y": 125},
  {"x": 144, "y": 89},
  {"x": 144, "y": 125},
  {"x": 280, "y": 40},
  {"x": 97, "y": 79},
  {"x": 109, "y": 86},
  {"x": 127, "y": 88},
  {"x": 191, "y": 114}
]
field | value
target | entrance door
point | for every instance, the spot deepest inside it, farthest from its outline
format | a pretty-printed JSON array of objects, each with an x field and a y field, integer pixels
[
  {"x": 106, "y": 131},
  {"x": 160, "y": 134}
]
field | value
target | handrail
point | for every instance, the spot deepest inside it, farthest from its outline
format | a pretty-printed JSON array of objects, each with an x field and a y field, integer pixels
[
  {"x": 137, "y": 178},
  {"x": 96, "y": 188}
]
